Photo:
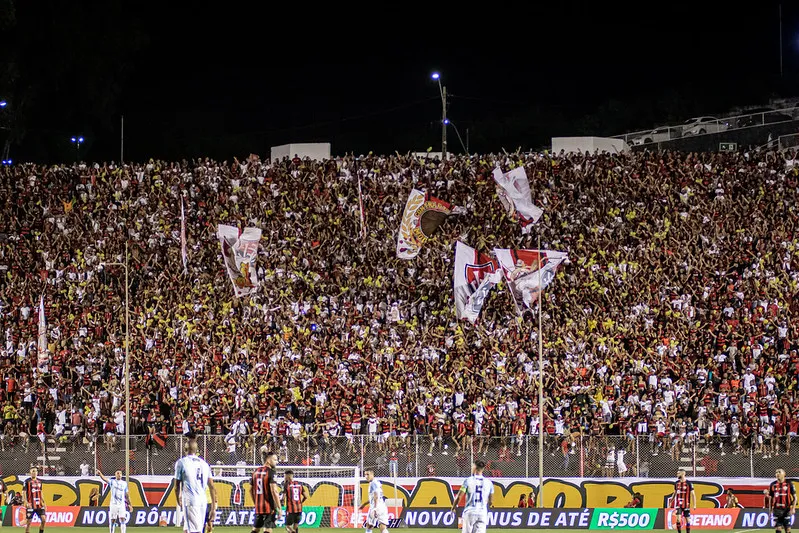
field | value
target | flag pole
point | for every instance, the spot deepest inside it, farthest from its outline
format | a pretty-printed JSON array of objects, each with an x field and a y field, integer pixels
[
  {"x": 540, "y": 498},
  {"x": 127, "y": 369}
]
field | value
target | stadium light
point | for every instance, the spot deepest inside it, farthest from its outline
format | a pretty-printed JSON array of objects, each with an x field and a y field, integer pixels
[
  {"x": 443, "y": 92},
  {"x": 3, "y": 103},
  {"x": 127, "y": 361},
  {"x": 465, "y": 147},
  {"x": 77, "y": 141}
]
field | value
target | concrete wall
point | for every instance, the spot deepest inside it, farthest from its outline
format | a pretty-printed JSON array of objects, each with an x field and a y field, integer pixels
[
  {"x": 588, "y": 144},
  {"x": 317, "y": 151}
]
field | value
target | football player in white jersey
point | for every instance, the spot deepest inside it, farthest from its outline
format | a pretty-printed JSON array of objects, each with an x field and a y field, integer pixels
[
  {"x": 378, "y": 511},
  {"x": 192, "y": 477},
  {"x": 479, "y": 498},
  {"x": 117, "y": 514}
]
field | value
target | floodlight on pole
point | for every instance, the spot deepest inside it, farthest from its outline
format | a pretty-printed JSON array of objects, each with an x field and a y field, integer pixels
[
  {"x": 3, "y": 103},
  {"x": 77, "y": 141},
  {"x": 443, "y": 92}
]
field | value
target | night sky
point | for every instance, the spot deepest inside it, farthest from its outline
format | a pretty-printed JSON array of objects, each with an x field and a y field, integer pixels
[{"x": 212, "y": 78}]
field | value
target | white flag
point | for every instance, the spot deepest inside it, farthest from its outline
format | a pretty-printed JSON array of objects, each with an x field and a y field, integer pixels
[
  {"x": 183, "y": 254},
  {"x": 474, "y": 277},
  {"x": 513, "y": 189},
  {"x": 528, "y": 272},
  {"x": 42, "y": 329},
  {"x": 239, "y": 254}
]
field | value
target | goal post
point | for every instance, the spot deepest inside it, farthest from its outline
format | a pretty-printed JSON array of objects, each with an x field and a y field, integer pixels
[{"x": 331, "y": 487}]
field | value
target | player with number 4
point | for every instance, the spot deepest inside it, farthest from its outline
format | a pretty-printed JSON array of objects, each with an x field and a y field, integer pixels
[
  {"x": 479, "y": 498},
  {"x": 192, "y": 477}
]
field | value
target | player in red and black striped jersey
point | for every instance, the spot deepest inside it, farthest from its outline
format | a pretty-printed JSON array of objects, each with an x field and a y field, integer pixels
[
  {"x": 264, "y": 492},
  {"x": 34, "y": 501},
  {"x": 782, "y": 502},
  {"x": 683, "y": 501},
  {"x": 294, "y": 495}
]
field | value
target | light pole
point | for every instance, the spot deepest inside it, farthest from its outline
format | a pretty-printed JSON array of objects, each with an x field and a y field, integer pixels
[
  {"x": 780, "y": 13},
  {"x": 77, "y": 142},
  {"x": 465, "y": 147},
  {"x": 127, "y": 362},
  {"x": 7, "y": 145},
  {"x": 443, "y": 91}
]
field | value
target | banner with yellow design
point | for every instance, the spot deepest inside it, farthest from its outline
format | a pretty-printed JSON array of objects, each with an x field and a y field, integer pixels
[{"x": 422, "y": 216}]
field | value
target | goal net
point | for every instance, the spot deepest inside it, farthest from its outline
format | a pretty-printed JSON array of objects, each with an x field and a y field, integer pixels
[{"x": 333, "y": 494}]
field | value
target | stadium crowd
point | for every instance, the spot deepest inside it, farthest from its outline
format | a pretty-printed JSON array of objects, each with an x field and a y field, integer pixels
[{"x": 676, "y": 318}]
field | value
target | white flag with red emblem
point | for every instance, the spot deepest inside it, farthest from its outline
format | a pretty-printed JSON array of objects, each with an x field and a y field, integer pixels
[
  {"x": 474, "y": 277},
  {"x": 528, "y": 272},
  {"x": 513, "y": 189}
]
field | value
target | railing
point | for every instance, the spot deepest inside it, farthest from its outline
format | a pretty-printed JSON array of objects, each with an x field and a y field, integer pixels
[
  {"x": 421, "y": 456},
  {"x": 670, "y": 133},
  {"x": 788, "y": 141}
]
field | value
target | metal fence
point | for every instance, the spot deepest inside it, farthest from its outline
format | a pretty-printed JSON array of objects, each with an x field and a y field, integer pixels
[
  {"x": 788, "y": 141},
  {"x": 420, "y": 456},
  {"x": 716, "y": 125}
]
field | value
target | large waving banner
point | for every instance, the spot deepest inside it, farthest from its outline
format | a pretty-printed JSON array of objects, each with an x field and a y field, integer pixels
[
  {"x": 528, "y": 272},
  {"x": 238, "y": 254},
  {"x": 513, "y": 189},
  {"x": 474, "y": 277},
  {"x": 420, "y": 219}
]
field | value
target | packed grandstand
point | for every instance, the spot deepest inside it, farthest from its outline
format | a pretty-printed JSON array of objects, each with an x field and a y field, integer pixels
[{"x": 673, "y": 323}]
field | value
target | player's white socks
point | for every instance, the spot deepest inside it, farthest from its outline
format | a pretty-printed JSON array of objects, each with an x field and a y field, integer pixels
[
  {"x": 123, "y": 528},
  {"x": 112, "y": 526}
]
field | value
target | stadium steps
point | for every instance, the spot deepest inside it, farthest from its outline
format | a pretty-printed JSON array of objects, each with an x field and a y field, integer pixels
[{"x": 687, "y": 461}]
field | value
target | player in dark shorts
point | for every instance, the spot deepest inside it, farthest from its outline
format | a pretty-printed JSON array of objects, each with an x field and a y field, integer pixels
[
  {"x": 34, "y": 501},
  {"x": 782, "y": 500},
  {"x": 294, "y": 495},
  {"x": 683, "y": 501},
  {"x": 265, "y": 494}
]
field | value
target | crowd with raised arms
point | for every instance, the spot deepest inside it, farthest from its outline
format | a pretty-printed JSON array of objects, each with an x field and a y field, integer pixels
[{"x": 677, "y": 317}]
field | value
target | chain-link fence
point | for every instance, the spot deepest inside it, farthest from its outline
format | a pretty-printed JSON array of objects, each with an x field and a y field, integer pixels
[{"x": 420, "y": 456}]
